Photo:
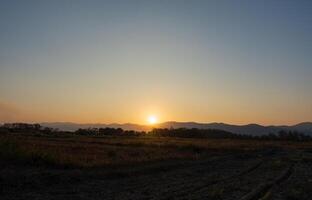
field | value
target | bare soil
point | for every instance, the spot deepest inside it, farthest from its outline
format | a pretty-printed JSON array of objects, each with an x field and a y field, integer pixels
[{"x": 267, "y": 173}]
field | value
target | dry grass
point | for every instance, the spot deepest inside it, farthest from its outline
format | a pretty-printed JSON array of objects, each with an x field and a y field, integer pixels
[{"x": 82, "y": 151}]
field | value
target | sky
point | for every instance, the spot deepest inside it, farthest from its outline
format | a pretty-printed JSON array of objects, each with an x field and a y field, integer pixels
[{"x": 238, "y": 62}]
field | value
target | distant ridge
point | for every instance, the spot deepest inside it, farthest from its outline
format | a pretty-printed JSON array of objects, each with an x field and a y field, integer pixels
[{"x": 249, "y": 129}]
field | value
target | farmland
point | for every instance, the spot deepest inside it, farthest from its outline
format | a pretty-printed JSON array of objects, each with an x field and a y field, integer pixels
[{"x": 145, "y": 167}]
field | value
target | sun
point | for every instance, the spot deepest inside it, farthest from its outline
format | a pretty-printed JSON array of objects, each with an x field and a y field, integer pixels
[{"x": 152, "y": 119}]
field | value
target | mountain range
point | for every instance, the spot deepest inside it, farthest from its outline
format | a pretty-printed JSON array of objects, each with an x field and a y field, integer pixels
[{"x": 249, "y": 129}]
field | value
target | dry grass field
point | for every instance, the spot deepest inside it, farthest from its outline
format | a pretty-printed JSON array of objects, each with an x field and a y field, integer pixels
[{"x": 81, "y": 167}]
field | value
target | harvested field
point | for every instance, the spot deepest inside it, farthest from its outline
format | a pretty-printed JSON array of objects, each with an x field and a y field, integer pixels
[{"x": 153, "y": 168}]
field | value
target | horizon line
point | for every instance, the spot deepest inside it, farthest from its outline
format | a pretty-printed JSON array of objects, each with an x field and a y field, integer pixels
[{"x": 139, "y": 124}]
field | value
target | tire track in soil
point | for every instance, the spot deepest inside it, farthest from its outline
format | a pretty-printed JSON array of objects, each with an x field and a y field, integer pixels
[
  {"x": 298, "y": 185},
  {"x": 181, "y": 193},
  {"x": 178, "y": 185},
  {"x": 185, "y": 192},
  {"x": 145, "y": 181},
  {"x": 252, "y": 175},
  {"x": 261, "y": 190},
  {"x": 164, "y": 185}
]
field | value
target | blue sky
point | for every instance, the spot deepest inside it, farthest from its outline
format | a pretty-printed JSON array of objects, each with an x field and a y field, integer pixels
[{"x": 120, "y": 61}]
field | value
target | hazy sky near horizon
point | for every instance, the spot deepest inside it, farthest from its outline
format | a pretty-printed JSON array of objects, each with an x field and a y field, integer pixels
[{"x": 120, "y": 61}]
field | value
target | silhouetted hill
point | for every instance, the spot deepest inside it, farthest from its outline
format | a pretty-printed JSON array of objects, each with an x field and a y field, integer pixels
[{"x": 249, "y": 129}]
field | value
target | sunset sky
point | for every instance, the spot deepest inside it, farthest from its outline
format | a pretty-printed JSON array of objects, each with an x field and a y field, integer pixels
[{"x": 117, "y": 61}]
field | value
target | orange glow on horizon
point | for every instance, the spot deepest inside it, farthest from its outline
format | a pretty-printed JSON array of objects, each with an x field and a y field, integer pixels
[{"x": 152, "y": 119}]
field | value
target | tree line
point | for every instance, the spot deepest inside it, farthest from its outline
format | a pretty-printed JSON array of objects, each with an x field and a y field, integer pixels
[
  {"x": 108, "y": 131},
  {"x": 25, "y": 128},
  {"x": 156, "y": 132}
]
